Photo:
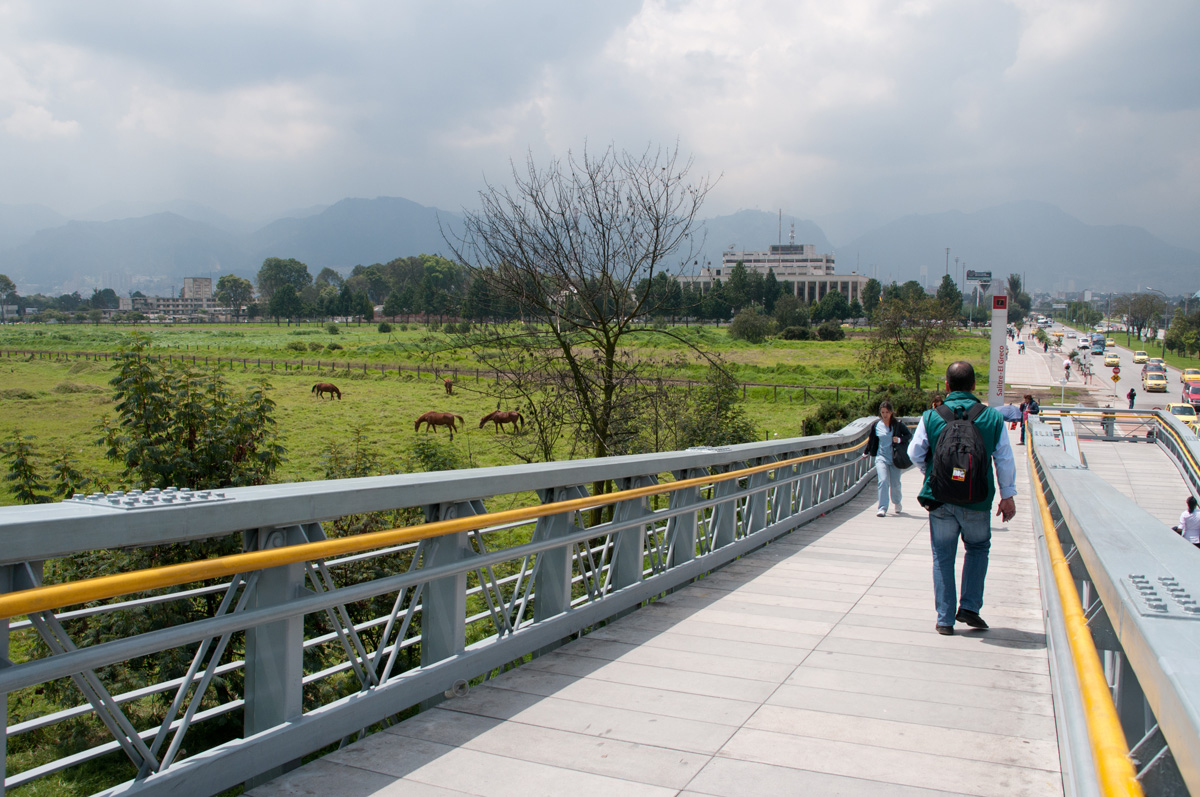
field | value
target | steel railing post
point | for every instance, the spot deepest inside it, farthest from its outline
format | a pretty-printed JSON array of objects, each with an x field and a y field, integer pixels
[
  {"x": 444, "y": 605},
  {"x": 552, "y": 573},
  {"x": 759, "y": 483},
  {"x": 681, "y": 529},
  {"x": 724, "y": 514},
  {"x": 275, "y": 651},
  {"x": 629, "y": 545}
]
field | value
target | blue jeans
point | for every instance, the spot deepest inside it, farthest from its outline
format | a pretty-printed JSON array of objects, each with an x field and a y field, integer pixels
[
  {"x": 888, "y": 482},
  {"x": 946, "y": 524}
]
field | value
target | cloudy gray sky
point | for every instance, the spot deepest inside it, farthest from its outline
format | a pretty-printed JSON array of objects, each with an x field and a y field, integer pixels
[{"x": 845, "y": 112}]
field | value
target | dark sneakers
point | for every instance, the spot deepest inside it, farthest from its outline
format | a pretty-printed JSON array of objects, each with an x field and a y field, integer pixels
[
  {"x": 970, "y": 618},
  {"x": 945, "y": 630}
]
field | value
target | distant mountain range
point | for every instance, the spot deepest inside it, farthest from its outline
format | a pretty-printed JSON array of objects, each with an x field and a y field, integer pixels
[{"x": 155, "y": 247}]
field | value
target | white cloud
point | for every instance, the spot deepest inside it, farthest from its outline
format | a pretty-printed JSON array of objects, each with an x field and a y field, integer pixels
[
  {"x": 35, "y": 123},
  {"x": 269, "y": 123}
]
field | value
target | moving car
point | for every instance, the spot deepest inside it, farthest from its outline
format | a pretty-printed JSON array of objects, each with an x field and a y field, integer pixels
[
  {"x": 1140, "y": 357},
  {"x": 1112, "y": 359},
  {"x": 1070, "y": 334},
  {"x": 1084, "y": 344},
  {"x": 1191, "y": 394},
  {"x": 1110, "y": 342},
  {"x": 1185, "y": 413},
  {"x": 1157, "y": 361},
  {"x": 1190, "y": 375},
  {"x": 1154, "y": 381}
]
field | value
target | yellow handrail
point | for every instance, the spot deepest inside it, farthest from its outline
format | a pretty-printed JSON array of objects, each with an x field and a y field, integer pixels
[
  {"x": 43, "y": 598},
  {"x": 1110, "y": 750}
]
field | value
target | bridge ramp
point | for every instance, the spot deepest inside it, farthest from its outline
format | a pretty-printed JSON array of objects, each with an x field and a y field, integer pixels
[
  {"x": 811, "y": 666},
  {"x": 1142, "y": 472}
]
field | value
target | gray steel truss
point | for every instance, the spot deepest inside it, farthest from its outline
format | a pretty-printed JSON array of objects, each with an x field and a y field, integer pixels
[{"x": 319, "y": 652}]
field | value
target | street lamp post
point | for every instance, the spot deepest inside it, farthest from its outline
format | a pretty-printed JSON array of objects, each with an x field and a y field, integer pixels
[{"x": 1164, "y": 329}]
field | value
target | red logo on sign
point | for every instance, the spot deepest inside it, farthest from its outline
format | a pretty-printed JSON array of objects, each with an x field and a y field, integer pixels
[{"x": 999, "y": 302}]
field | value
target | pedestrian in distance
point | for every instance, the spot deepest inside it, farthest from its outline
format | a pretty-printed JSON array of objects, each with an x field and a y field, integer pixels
[
  {"x": 1067, "y": 370},
  {"x": 888, "y": 443},
  {"x": 1028, "y": 407},
  {"x": 957, "y": 446},
  {"x": 1131, "y": 395},
  {"x": 1189, "y": 523}
]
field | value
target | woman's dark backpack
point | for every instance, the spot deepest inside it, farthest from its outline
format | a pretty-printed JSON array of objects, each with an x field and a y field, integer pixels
[{"x": 958, "y": 473}]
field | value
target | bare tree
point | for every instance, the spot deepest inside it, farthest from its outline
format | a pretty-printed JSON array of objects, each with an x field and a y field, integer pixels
[{"x": 576, "y": 246}]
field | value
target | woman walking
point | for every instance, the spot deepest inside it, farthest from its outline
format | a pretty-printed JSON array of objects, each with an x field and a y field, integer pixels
[{"x": 888, "y": 443}]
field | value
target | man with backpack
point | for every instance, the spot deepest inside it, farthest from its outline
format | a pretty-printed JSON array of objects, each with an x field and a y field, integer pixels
[{"x": 956, "y": 447}]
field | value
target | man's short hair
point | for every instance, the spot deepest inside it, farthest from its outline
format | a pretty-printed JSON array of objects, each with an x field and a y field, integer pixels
[{"x": 960, "y": 376}]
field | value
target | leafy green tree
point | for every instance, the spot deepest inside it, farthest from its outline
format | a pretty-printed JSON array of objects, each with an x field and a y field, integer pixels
[
  {"x": 8, "y": 289},
  {"x": 834, "y": 307},
  {"x": 716, "y": 416},
  {"x": 1019, "y": 302},
  {"x": 909, "y": 330},
  {"x": 871, "y": 291},
  {"x": 772, "y": 290},
  {"x": 714, "y": 305},
  {"x": 750, "y": 325},
  {"x": 790, "y": 312},
  {"x": 285, "y": 303},
  {"x": 23, "y": 474},
  {"x": 276, "y": 273},
  {"x": 856, "y": 310},
  {"x": 235, "y": 293},
  {"x": 329, "y": 278},
  {"x": 948, "y": 293},
  {"x": 177, "y": 428},
  {"x": 737, "y": 288}
]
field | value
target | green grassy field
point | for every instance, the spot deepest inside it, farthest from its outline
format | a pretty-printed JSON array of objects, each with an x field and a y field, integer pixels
[{"x": 61, "y": 401}]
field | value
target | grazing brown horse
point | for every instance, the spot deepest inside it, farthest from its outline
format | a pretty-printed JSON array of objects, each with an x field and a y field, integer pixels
[
  {"x": 327, "y": 387},
  {"x": 449, "y": 387},
  {"x": 502, "y": 417},
  {"x": 435, "y": 419}
]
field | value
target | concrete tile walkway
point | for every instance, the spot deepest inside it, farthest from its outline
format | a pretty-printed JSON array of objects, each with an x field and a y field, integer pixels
[{"x": 809, "y": 667}]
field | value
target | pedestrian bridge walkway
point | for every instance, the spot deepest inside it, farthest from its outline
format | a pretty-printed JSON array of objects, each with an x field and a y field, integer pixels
[
  {"x": 729, "y": 621},
  {"x": 808, "y": 667}
]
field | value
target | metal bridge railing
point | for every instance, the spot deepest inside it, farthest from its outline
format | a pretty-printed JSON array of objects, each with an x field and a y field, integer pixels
[
  {"x": 313, "y": 640},
  {"x": 1134, "y": 585}
]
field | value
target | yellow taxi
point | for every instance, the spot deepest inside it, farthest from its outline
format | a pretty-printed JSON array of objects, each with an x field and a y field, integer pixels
[
  {"x": 1154, "y": 382},
  {"x": 1110, "y": 342},
  {"x": 1111, "y": 359},
  {"x": 1190, "y": 375},
  {"x": 1186, "y": 413},
  {"x": 1140, "y": 357}
]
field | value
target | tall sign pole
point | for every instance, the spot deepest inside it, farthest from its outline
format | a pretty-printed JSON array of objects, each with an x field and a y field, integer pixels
[{"x": 999, "y": 351}]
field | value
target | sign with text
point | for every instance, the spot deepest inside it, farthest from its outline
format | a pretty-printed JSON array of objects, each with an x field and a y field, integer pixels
[
  {"x": 999, "y": 349},
  {"x": 979, "y": 276}
]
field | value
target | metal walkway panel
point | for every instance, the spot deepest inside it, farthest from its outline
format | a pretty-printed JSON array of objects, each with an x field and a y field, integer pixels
[
  {"x": 1144, "y": 473},
  {"x": 811, "y": 666}
]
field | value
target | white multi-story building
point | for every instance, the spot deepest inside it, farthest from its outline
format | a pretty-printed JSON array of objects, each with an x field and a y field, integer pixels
[{"x": 799, "y": 267}]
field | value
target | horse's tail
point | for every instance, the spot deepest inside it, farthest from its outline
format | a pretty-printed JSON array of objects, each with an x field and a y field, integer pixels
[
  {"x": 460, "y": 420},
  {"x": 521, "y": 420},
  {"x": 317, "y": 385}
]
